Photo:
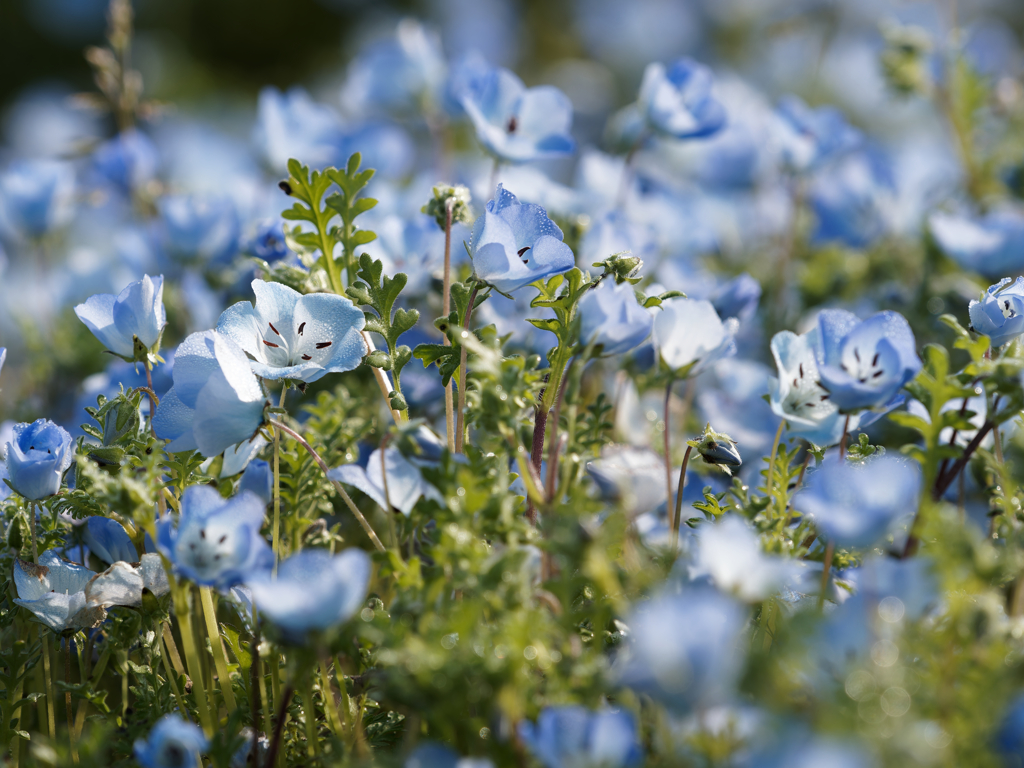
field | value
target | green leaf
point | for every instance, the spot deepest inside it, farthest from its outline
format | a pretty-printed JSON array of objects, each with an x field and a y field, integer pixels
[
  {"x": 239, "y": 649},
  {"x": 378, "y": 359}
]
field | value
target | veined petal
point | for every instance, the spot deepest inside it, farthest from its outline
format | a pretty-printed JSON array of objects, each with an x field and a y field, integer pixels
[{"x": 98, "y": 315}]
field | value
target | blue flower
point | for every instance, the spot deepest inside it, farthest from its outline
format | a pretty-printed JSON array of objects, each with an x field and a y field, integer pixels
[
  {"x": 405, "y": 483},
  {"x": 611, "y": 316},
  {"x": 737, "y": 298},
  {"x": 1009, "y": 739},
  {"x": 991, "y": 245},
  {"x": 854, "y": 505},
  {"x": 37, "y": 458},
  {"x": 865, "y": 363},
  {"x": 813, "y": 137},
  {"x": 685, "y": 650},
  {"x": 216, "y": 541},
  {"x": 130, "y": 324},
  {"x": 173, "y": 743},
  {"x": 690, "y": 336},
  {"x": 737, "y": 404},
  {"x": 292, "y": 125},
  {"x": 199, "y": 228},
  {"x": 1000, "y": 313},
  {"x": 428, "y": 755},
  {"x": 313, "y": 590},
  {"x": 729, "y": 552},
  {"x": 575, "y": 737},
  {"x": 108, "y": 540},
  {"x": 128, "y": 161},
  {"x": 36, "y": 197},
  {"x": 269, "y": 242},
  {"x": 289, "y": 335},
  {"x": 513, "y": 244},
  {"x": 678, "y": 101},
  {"x": 517, "y": 124},
  {"x": 853, "y": 199},
  {"x": 808, "y": 752},
  {"x": 258, "y": 478},
  {"x": 215, "y": 402}
]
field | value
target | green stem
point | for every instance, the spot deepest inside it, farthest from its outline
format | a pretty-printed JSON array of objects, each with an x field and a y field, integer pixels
[
  {"x": 677, "y": 518},
  {"x": 449, "y": 403},
  {"x": 48, "y": 682},
  {"x": 172, "y": 677},
  {"x": 277, "y": 499},
  {"x": 830, "y": 549},
  {"x": 668, "y": 447},
  {"x": 217, "y": 646},
  {"x": 330, "y": 705},
  {"x": 67, "y": 700},
  {"x": 769, "y": 484},
  {"x": 195, "y": 669},
  {"x": 309, "y": 710}
]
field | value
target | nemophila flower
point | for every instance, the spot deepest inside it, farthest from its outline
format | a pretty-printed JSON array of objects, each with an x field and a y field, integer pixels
[
  {"x": 864, "y": 364},
  {"x": 900, "y": 588},
  {"x": 289, "y": 335},
  {"x": 690, "y": 337},
  {"x": 404, "y": 483},
  {"x": 173, "y": 743},
  {"x": 36, "y": 197},
  {"x": 718, "y": 449},
  {"x": 576, "y": 737},
  {"x": 513, "y": 244},
  {"x": 631, "y": 476},
  {"x": 611, "y": 316},
  {"x": 684, "y": 650},
  {"x": 853, "y": 200},
  {"x": 108, "y": 540},
  {"x": 428, "y": 755},
  {"x": 258, "y": 478},
  {"x": 313, "y": 590},
  {"x": 123, "y": 583},
  {"x": 1009, "y": 738},
  {"x": 811, "y": 137},
  {"x": 37, "y": 458},
  {"x": 811, "y": 753},
  {"x": 737, "y": 298},
  {"x": 54, "y": 590},
  {"x": 268, "y": 243},
  {"x": 678, "y": 101},
  {"x": 216, "y": 400},
  {"x": 215, "y": 541},
  {"x": 736, "y": 404},
  {"x": 991, "y": 245},
  {"x": 199, "y": 228},
  {"x": 515, "y": 123},
  {"x": 1000, "y": 313},
  {"x": 128, "y": 161},
  {"x": 293, "y": 125},
  {"x": 854, "y": 505},
  {"x": 130, "y": 324},
  {"x": 797, "y": 395},
  {"x": 243, "y": 755},
  {"x": 729, "y": 552}
]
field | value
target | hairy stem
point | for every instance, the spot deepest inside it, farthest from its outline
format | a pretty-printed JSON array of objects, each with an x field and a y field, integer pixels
[
  {"x": 460, "y": 432},
  {"x": 449, "y": 404},
  {"x": 677, "y": 518},
  {"x": 668, "y": 448},
  {"x": 195, "y": 669},
  {"x": 217, "y": 646}
]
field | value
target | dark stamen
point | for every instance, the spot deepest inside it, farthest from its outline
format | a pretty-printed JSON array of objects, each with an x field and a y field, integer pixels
[
  {"x": 306, "y": 357},
  {"x": 801, "y": 370},
  {"x": 222, "y": 539},
  {"x": 274, "y": 329},
  {"x": 877, "y": 374},
  {"x": 857, "y": 355},
  {"x": 512, "y": 124},
  {"x": 271, "y": 344},
  {"x": 824, "y": 397},
  {"x": 809, "y": 405},
  {"x": 323, "y": 344},
  {"x": 202, "y": 533},
  {"x": 301, "y": 326},
  {"x": 874, "y": 362}
]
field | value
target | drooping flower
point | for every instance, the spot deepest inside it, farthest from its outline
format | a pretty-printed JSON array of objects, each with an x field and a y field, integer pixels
[
  {"x": 108, "y": 540},
  {"x": 198, "y": 228},
  {"x": 684, "y": 650},
  {"x": 678, "y": 100},
  {"x": 216, "y": 400},
  {"x": 173, "y": 743},
  {"x": 575, "y": 737},
  {"x": 611, "y": 316},
  {"x": 312, "y": 590},
  {"x": 36, "y": 197},
  {"x": 992, "y": 245},
  {"x": 864, "y": 364},
  {"x": 37, "y": 458},
  {"x": 292, "y": 125},
  {"x": 1000, "y": 313},
  {"x": 718, "y": 449},
  {"x": 513, "y": 244},
  {"x": 688, "y": 332},
  {"x": 404, "y": 483},
  {"x": 130, "y": 324},
  {"x": 854, "y": 505},
  {"x": 812, "y": 137},
  {"x": 259, "y": 479},
  {"x": 289, "y": 335},
  {"x": 215, "y": 541},
  {"x": 515, "y": 123}
]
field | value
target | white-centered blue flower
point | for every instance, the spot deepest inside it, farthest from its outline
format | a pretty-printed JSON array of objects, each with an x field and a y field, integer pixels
[
  {"x": 404, "y": 483},
  {"x": 678, "y": 100},
  {"x": 216, "y": 400},
  {"x": 992, "y": 244},
  {"x": 289, "y": 335},
  {"x": 130, "y": 324},
  {"x": 690, "y": 337},
  {"x": 811, "y": 137},
  {"x": 611, "y": 316},
  {"x": 1000, "y": 313},
  {"x": 513, "y": 244}
]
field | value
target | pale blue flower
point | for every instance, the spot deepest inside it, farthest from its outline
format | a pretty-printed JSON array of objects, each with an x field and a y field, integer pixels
[
  {"x": 292, "y": 125},
  {"x": 128, "y": 161},
  {"x": 736, "y": 405},
  {"x": 313, "y": 590},
  {"x": 854, "y": 505},
  {"x": 428, "y": 755},
  {"x": 813, "y": 752},
  {"x": 812, "y": 137},
  {"x": 678, "y": 100},
  {"x": 37, "y": 458},
  {"x": 130, "y": 324},
  {"x": 36, "y": 197},
  {"x": 864, "y": 364},
  {"x": 108, "y": 540},
  {"x": 1009, "y": 738},
  {"x": 288, "y": 335},
  {"x": 173, "y": 743},
  {"x": 269, "y": 242},
  {"x": 684, "y": 650},
  {"x": 54, "y": 590},
  {"x": 216, "y": 400},
  {"x": 215, "y": 541},
  {"x": 405, "y": 483},
  {"x": 513, "y": 244},
  {"x": 1000, "y": 313},
  {"x": 259, "y": 479},
  {"x": 690, "y": 337},
  {"x": 576, "y": 737},
  {"x": 517, "y": 124},
  {"x": 853, "y": 200},
  {"x": 729, "y": 552},
  {"x": 737, "y": 298},
  {"x": 611, "y": 316},
  {"x": 991, "y": 245},
  {"x": 199, "y": 228}
]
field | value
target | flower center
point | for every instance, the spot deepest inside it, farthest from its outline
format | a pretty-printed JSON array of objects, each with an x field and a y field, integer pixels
[
  {"x": 807, "y": 399},
  {"x": 868, "y": 368}
]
